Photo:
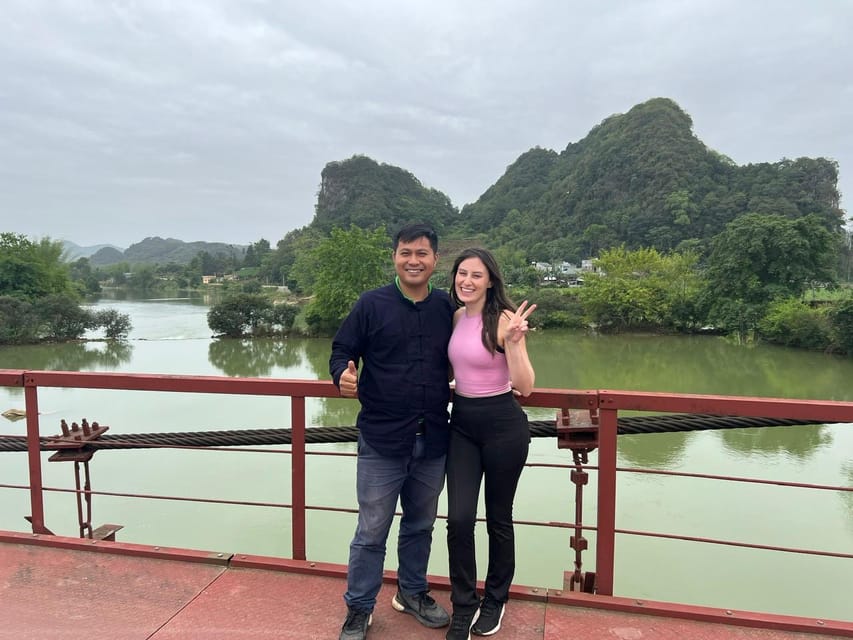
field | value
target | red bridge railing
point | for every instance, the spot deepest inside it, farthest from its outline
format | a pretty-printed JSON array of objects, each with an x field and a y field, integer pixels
[{"x": 596, "y": 430}]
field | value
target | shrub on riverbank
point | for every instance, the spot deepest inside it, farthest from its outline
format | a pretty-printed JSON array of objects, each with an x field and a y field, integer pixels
[
  {"x": 253, "y": 314},
  {"x": 55, "y": 318},
  {"x": 793, "y": 323},
  {"x": 841, "y": 320}
]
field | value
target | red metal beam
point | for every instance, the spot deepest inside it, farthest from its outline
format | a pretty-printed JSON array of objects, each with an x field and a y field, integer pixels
[
  {"x": 117, "y": 548},
  {"x": 559, "y": 398},
  {"x": 818, "y": 410},
  {"x": 182, "y": 384},
  {"x": 11, "y": 378}
]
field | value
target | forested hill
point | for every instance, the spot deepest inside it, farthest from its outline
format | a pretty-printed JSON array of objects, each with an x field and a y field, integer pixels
[
  {"x": 362, "y": 192},
  {"x": 164, "y": 251},
  {"x": 643, "y": 179}
]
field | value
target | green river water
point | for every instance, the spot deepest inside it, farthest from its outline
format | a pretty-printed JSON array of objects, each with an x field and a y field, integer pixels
[{"x": 170, "y": 336}]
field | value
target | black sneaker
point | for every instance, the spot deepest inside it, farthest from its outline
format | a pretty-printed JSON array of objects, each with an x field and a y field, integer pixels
[
  {"x": 489, "y": 620},
  {"x": 426, "y": 610},
  {"x": 460, "y": 625},
  {"x": 356, "y": 624}
]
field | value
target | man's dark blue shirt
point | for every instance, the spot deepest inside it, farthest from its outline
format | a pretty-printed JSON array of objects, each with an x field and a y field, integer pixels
[{"x": 400, "y": 347}]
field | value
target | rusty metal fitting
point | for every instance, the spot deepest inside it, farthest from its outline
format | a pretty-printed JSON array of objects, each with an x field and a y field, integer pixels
[
  {"x": 577, "y": 429},
  {"x": 75, "y": 437}
]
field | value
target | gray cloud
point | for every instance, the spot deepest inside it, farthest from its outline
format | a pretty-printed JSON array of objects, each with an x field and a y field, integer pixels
[{"x": 212, "y": 119}]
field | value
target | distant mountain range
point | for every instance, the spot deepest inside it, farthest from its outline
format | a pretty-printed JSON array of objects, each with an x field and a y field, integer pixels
[
  {"x": 74, "y": 252},
  {"x": 153, "y": 250}
]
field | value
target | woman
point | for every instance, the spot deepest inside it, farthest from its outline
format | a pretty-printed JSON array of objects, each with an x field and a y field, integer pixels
[{"x": 489, "y": 437}]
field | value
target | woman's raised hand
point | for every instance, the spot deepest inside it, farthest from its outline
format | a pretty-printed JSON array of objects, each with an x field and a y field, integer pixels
[{"x": 517, "y": 326}]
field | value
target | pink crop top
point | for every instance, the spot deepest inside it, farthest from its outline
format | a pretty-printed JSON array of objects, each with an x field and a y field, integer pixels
[{"x": 478, "y": 372}]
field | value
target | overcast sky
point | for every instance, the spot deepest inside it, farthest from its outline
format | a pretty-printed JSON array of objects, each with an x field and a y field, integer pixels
[{"x": 212, "y": 119}]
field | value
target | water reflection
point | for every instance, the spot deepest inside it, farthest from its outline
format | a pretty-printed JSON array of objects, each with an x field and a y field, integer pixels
[
  {"x": 72, "y": 356},
  {"x": 686, "y": 364},
  {"x": 654, "y": 450},
  {"x": 847, "y": 496},
  {"x": 204, "y": 297},
  {"x": 799, "y": 442},
  {"x": 252, "y": 358},
  {"x": 330, "y": 412},
  {"x": 317, "y": 353}
]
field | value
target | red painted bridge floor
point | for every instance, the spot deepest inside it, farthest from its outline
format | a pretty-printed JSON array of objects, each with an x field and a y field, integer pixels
[{"x": 69, "y": 589}]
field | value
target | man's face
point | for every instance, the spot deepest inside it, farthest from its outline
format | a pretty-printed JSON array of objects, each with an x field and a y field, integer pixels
[{"x": 414, "y": 262}]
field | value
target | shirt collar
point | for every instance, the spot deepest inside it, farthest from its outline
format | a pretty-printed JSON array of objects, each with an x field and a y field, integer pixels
[{"x": 400, "y": 289}]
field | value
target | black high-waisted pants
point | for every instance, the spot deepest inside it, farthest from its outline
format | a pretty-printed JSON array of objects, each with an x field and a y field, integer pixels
[{"x": 489, "y": 437}]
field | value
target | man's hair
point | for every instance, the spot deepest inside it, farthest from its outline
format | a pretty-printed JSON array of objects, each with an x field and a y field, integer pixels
[{"x": 412, "y": 232}]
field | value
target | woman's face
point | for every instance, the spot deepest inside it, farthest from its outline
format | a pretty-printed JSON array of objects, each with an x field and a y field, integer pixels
[{"x": 472, "y": 281}]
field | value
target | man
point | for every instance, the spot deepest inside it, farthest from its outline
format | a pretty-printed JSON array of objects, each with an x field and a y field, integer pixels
[{"x": 399, "y": 334}]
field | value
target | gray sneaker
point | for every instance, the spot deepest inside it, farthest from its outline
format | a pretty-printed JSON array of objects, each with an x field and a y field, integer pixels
[
  {"x": 356, "y": 624},
  {"x": 421, "y": 605}
]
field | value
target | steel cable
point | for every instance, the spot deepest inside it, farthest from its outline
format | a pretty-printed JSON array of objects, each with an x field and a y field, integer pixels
[{"x": 629, "y": 425}]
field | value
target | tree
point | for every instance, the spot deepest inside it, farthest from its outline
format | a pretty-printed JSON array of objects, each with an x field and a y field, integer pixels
[
  {"x": 143, "y": 277},
  {"x": 30, "y": 269},
  {"x": 61, "y": 318},
  {"x": 241, "y": 314},
  {"x": 299, "y": 269},
  {"x": 256, "y": 252},
  {"x": 116, "y": 325},
  {"x": 38, "y": 299},
  {"x": 17, "y": 322},
  {"x": 81, "y": 272},
  {"x": 238, "y": 314},
  {"x": 346, "y": 263},
  {"x": 642, "y": 289},
  {"x": 761, "y": 258}
]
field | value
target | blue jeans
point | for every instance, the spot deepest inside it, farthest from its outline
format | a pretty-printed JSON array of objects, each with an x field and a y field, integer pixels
[{"x": 380, "y": 480}]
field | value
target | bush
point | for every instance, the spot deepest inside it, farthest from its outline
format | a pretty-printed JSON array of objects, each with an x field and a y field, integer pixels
[
  {"x": 555, "y": 308},
  {"x": 116, "y": 325},
  {"x": 238, "y": 314},
  {"x": 281, "y": 317},
  {"x": 17, "y": 324},
  {"x": 241, "y": 314},
  {"x": 55, "y": 317},
  {"x": 841, "y": 325},
  {"x": 795, "y": 324},
  {"x": 59, "y": 317}
]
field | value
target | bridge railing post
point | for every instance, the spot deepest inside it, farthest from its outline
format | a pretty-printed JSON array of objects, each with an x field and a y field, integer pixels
[
  {"x": 31, "y": 406},
  {"x": 297, "y": 481},
  {"x": 606, "y": 521}
]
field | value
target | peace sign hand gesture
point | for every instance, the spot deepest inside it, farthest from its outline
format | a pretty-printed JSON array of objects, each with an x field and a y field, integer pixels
[{"x": 517, "y": 326}]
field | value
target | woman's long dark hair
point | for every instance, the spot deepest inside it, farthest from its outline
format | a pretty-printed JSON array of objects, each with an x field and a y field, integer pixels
[{"x": 496, "y": 299}]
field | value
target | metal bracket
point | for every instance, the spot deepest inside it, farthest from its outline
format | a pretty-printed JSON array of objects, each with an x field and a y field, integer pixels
[
  {"x": 577, "y": 429},
  {"x": 76, "y": 436},
  {"x": 72, "y": 446}
]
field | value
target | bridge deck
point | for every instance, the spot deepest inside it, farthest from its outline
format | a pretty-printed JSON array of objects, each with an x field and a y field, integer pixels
[{"x": 64, "y": 589}]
